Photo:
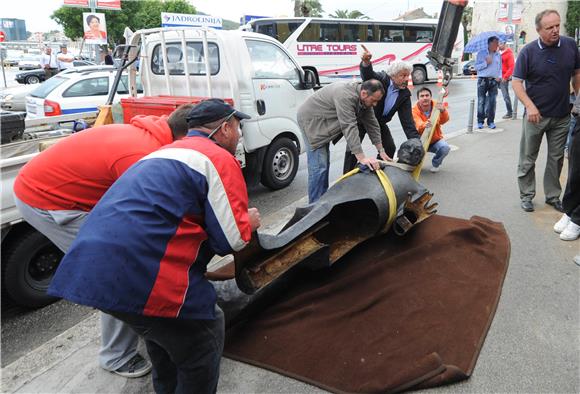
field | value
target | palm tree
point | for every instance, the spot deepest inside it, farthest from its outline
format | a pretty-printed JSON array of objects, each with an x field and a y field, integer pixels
[
  {"x": 311, "y": 8},
  {"x": 346, "y": 14}
]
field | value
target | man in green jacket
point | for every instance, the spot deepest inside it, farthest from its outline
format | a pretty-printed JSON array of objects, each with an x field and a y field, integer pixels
[{"x": 333, "y": 112}]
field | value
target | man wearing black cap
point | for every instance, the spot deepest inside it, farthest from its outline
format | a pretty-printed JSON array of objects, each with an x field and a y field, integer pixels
[{"x": 142, "y": 254}]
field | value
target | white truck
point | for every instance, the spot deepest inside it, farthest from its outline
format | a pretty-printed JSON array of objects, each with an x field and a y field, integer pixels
[
  {"x": 252, "y": 71},
  {"x": 29, "y": 259}
]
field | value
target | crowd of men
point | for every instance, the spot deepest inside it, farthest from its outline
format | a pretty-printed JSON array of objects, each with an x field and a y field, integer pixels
[{"x": 160, "y": 196}]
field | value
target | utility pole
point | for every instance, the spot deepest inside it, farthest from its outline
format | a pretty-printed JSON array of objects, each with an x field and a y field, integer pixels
[
  {"x": 93, "y": 5},
  {"x": 510, "y": 20}
]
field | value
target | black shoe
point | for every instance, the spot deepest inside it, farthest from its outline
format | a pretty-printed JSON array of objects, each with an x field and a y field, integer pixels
[
  {"x": 557, "y": 204},
  {"x": 527, "y": 206},
  {"x": 507, "y": 116}
]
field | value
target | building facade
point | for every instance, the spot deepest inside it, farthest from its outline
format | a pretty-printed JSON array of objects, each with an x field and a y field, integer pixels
[{"x": 491, "y": 15}]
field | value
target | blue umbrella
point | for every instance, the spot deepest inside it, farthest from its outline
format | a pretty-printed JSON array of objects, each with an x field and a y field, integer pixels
[{"x": 479, "y": 42}]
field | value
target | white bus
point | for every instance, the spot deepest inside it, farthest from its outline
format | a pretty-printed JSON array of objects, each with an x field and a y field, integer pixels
[{"x": 332, "y": 46}]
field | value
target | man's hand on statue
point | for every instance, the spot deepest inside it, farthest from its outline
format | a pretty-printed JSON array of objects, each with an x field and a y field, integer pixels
[
  {"x": 366, "y": 55},
  {"x": 371, "y": 163},
  {"x": 384, "y": 156},
  {"x": 440, "y": 107}
]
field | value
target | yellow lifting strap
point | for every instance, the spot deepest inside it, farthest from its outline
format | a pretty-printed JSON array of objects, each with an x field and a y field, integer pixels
[{"x": 389, "y": 191}]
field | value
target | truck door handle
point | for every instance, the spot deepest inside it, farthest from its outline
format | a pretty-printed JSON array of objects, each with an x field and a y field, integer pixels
[{"x": 261, "y": 107}]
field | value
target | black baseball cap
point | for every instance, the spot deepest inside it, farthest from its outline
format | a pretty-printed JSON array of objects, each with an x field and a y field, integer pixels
[{"x": 211, "y": 110}]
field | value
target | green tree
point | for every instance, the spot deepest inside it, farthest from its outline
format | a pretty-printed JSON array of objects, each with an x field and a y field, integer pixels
[
  {"x": 572, "y": 17},
  {"x": 466, "y": 22},
  {"x": 133, "y": 14},
  {"x": 346, "y": 14},
  {"x": 311, "y": 8}
]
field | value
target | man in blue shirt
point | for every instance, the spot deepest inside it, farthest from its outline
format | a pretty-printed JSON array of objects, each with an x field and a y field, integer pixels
[
  {"x": 396, "y": 100},
  {"x": 488, "y": 66},
  {"x": 546, "y": 65}
]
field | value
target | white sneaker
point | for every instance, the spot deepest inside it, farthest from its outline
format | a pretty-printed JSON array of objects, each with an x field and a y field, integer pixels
[
  {"x": 571, "y": 232},
  {"x": 562, "y": 223},
  {"x": 434, "y": 169}
]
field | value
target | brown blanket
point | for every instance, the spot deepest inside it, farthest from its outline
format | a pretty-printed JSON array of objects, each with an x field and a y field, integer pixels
[{"x": 397, "y": 313}]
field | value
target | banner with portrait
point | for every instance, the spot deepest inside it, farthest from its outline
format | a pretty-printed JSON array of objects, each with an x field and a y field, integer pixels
[{"x": 95, "y": 28}]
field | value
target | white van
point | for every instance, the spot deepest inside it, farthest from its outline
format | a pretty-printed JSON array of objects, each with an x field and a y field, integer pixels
[{"x": 253, "y": 71}]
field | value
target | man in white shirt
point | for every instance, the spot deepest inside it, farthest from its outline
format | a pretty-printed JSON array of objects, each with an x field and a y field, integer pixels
[
  {"x": 65, "y": 59},
  {"x": 49, "y": 63}
]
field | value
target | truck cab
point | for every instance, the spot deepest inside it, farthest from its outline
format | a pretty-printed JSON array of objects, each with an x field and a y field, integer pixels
[{"x": 252, "y": 71}]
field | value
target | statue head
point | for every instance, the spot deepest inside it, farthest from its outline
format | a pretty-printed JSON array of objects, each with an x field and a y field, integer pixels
[{"x": 411, "y": 152}]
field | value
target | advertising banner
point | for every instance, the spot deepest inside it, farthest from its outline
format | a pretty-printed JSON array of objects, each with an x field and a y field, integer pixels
[
  {"x": 95, "y": 28},
  {"x": 503, "y": 11},
  {"x": 169, "y": 19},
  {"x": 105, "y": 4}
]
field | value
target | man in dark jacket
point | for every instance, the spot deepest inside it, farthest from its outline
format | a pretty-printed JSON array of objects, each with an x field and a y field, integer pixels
[{"x": 397, "y": 99}]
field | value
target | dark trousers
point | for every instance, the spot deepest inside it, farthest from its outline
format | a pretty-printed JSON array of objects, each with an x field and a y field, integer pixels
[
  {"x": 350, "y": 160},
  {"x": 50, "y": 72},
  {"x": 185, "y": 353},
  {"x": 571, "y": 199},
  {"x": 486, "y": 98}
]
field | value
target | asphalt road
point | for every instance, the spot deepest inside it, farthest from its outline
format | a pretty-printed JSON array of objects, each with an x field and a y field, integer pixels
[{"x": 23, "y": 330}]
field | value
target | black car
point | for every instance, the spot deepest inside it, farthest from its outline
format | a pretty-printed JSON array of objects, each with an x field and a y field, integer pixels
[
  {"x": 469, "y": 68},
  {"x": 38, "y": 75}
]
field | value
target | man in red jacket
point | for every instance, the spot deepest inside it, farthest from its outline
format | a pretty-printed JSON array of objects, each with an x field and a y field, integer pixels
[
  {"x": 56, "y": 190},
  {"x": 507, "y": 69}
]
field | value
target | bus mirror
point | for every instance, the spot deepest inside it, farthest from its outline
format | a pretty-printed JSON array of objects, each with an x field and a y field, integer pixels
[{"x": 309, "y": 79}]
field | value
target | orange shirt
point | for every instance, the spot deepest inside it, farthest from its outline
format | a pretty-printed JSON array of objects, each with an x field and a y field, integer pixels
[{"x": 421, "y": 121}]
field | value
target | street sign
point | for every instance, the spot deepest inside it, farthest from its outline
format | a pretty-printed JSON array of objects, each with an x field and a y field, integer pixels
[{"x": 2, "y": 36}]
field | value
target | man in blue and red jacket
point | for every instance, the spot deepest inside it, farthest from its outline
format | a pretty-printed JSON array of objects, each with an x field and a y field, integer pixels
[{"x": 143, "y": 251}]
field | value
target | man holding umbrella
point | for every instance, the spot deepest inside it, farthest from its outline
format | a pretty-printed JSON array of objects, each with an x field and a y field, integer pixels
[{"x": 488, "y": 66}]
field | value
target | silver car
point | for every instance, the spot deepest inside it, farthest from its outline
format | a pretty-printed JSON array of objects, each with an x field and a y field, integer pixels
[{"x": 14, "y": 98}]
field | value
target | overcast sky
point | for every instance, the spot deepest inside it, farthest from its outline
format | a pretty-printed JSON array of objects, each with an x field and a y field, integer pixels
[{"x": 37, "y": 13}]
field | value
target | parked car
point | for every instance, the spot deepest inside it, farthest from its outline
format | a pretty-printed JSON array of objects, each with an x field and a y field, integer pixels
[
  {"x": 38, "y": 75},
  {"x": 14, "y": 98},
  {"x": 29, "y": 63},
  {"x": 469, "y": 68},
  {"x": 11, "y": 62},
  {"x": 76, "y": 90}
]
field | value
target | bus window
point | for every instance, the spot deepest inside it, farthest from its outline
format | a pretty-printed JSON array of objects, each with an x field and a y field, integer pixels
[
  {"x": 267, "y": 28},
  {"x": 310, "y": 34},
  {"x": 390, "y": 33},
  {"x": 372, "y": 33},
  {"x": 329, "y": 32},
  {"x": 285, "y": 29},
  {"x": 418, "y": 34},
  {"x": 354, "y": 32}
]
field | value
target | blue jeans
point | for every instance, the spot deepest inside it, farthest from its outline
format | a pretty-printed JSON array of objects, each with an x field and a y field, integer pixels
[
  {"x": 486, "y": 95},
  {"x": 441, "y": 149},
  {"x": 505, "y": 92},
  {"x": 318, "y": 171},
  {"x": 185, "y": 353}
]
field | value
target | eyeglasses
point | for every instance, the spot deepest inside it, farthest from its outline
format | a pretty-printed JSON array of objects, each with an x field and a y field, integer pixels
[{"x": 221, "y": 124}]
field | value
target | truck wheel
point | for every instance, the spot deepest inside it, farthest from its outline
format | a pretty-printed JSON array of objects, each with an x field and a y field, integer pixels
[
  {"x": 28, "y": 268},
  {"x": 419, "y": 75},
  {"x": 280, "y": 164}
]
